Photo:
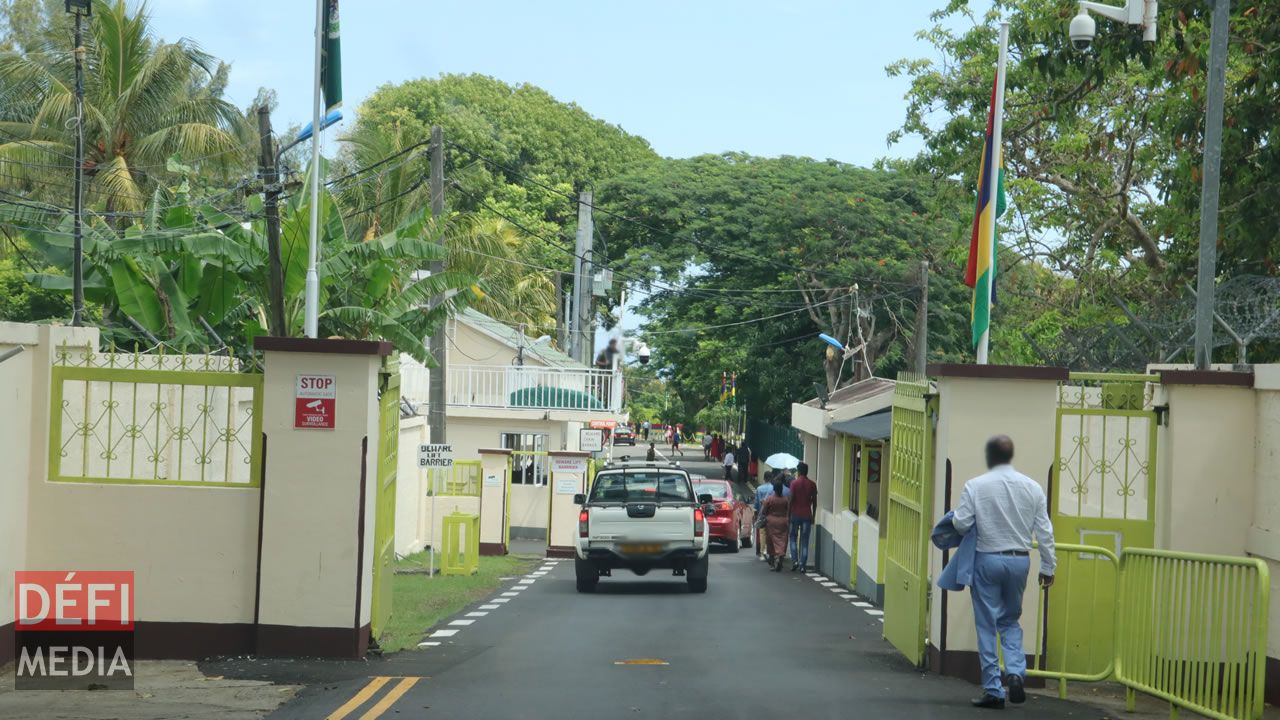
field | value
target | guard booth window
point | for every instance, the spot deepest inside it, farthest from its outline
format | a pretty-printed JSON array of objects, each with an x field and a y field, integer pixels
[{"x": 530, "y": 464}]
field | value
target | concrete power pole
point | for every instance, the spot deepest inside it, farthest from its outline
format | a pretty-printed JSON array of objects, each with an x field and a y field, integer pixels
[
  {"x": 1208, "y": 270},
  {"x": 922, "y": 321},
  {"x": 583, "y": 271},
  {"x": 271, "y": 208},
  {"x": 437, "y": 346}
]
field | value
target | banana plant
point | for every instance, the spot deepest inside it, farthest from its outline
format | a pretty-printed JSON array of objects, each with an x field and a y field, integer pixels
[{"x": 188, "y": 264}]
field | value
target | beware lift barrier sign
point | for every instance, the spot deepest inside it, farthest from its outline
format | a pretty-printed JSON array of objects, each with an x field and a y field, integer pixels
[
  {"x": 435, "y": 455},
  {"x": 315, "y": 400}
]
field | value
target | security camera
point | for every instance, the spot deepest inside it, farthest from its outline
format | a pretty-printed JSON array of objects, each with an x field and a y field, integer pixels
[
  {"x": 1082, "y": 31},
  {"x": 643, "y": 354}
]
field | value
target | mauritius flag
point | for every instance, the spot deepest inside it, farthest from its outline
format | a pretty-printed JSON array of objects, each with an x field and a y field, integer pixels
[{"x": 980, "y": 274}]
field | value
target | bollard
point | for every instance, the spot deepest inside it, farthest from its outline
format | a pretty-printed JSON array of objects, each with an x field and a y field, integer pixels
[{"x": 461, "y": 544}]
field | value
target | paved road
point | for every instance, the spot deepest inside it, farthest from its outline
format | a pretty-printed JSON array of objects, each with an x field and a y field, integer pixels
[{"x": 757, "y": 644}]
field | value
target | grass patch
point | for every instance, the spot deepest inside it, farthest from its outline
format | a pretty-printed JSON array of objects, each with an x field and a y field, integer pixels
[{"x": 420, "y": 601}]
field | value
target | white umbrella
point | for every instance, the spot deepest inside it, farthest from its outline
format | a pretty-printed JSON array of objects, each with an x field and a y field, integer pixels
[{"x": 783, "y": 461}]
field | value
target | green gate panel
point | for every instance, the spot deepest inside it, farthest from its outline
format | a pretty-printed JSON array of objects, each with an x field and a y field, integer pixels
[{"x": 909, "y": 519}]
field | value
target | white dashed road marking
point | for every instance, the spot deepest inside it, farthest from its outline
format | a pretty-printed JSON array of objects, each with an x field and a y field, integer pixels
[
  {"x": 503, "y": 600},
  {"x": 462, "y": 622},
  {"x": 488, "y": 607},
  {"x": 476, "y": 614},
  {"x": 444, "y": 633}
]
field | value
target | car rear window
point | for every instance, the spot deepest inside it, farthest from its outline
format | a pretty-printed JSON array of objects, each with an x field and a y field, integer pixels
[
  {"x": 716, "y": 490},
  {"x": 641, "y": 486}
]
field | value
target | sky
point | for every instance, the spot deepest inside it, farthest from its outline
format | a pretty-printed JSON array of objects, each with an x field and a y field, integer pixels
[{"x": 800, "y": 77}]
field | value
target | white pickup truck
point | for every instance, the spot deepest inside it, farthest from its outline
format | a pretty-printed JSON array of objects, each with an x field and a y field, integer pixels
[{"x": 642, "y": 517}]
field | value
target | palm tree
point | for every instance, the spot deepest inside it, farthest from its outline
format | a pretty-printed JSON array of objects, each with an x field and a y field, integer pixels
[{"x": 146, "y": 102}]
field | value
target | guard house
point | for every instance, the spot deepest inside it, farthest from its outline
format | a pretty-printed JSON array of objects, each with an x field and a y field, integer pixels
[
  {"x": 507, "y": 390},
  {"x": 846, "y": 444}
]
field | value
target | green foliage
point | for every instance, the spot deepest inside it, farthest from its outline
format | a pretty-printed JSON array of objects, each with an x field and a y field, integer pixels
[
  {"x": 22, "y": 302},
  {"x": 146, "y": 101},
  {"x": 802, "y": 244}
]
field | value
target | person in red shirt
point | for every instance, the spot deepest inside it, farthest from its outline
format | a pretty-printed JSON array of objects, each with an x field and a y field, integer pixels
[{"x": 804, "y": 508}]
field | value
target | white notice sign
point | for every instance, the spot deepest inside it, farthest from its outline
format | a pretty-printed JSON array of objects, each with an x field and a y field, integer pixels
[
  {"x": 492, "y": 480},
  {"x": 591, "y": 440},
  {"x": 568, "y": 464},
  {"x": 567, "y": 486},
  {"x": 438, "y": 455}
]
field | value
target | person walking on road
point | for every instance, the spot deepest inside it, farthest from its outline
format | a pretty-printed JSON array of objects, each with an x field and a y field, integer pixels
[
  {"x": 1006, "y": 509},
  {"x": 776, "y": 511},
  {"x": 804, "y": 506},
  {"x": 762, "y": 493},
  {"x": 675, "y": 442},
  {"x": 706, "y": 447},
  {"x": 728, "y": 464},
  {"x": 652, "y": 455},
  {"x": 646, "y": 429}
]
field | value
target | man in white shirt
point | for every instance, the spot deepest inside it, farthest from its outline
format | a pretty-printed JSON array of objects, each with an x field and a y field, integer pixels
[
  {"x": 1006, "y": 509},
  {"x": 728, "y": 465}
]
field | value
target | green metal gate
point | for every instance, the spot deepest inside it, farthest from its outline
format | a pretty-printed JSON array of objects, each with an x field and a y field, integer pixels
[
  {"x": 909, "y": 518},
  {"x": 1103, "y": 495},
  {"x": 384, "y": 528}
]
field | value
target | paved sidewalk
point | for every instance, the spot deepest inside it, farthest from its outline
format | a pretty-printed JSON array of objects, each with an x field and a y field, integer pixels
[{"x": 163, "y": 690}]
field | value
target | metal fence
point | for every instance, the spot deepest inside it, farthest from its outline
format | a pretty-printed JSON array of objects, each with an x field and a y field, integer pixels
[
  {"x": 1192, "y": 630},
  {"x": 526, "y": 386},
  {"x": 765, "y": 439},
  {"x": 1079, "y": 620},
  {"x": 154, "y": 419},
  {"x": 462, "y": 479}
]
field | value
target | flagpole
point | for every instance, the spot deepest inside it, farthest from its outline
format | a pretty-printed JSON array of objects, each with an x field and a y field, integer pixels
[
  {"x": 997, "y": 155},
  {"x": 311, "y": 317}
]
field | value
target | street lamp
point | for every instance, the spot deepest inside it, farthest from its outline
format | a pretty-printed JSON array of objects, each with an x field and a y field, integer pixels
[
  {"x": 1081, "y": 32},
  {"x": 81, "y": 9}
]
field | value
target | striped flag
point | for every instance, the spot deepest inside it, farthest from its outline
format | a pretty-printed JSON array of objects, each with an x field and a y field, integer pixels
[{"x": 980, "y": 273}]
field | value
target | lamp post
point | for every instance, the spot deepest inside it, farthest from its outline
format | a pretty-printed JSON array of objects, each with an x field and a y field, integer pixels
[
  {"x": 1143, "y": 12},
  {"x": 81, "y": 9}
]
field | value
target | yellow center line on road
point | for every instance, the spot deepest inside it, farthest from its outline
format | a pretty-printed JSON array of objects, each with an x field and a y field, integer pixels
[
  {"x": 359, "y": 698},
  {"x": 390, "y": 698}
]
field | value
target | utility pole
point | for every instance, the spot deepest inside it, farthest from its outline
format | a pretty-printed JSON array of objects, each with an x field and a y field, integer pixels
[
  {"x": 922, "y": 320},
  {"x": 81, "y": 9},
  {"x": 560, "y": 310},
  {"x": 271, "y": 208},
  {"x": 1209, "y": 189},
  {"x": 437, "y": 346},
  {"x": 583, "y": 304}
]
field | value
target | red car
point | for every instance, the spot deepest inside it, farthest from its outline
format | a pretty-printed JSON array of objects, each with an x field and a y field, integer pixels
[{"x": 731, "y": 524}]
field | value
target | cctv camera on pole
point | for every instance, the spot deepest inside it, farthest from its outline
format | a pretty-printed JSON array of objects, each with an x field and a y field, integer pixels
[{"x": 1135, "y": 12}]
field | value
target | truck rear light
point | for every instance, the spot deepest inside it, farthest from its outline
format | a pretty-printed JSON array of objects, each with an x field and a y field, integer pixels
[
  {"x": 698, "y": 519},
  {"x": 582, "y": 522}
]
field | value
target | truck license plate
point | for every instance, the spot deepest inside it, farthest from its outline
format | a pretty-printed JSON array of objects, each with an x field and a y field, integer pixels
[{"x": 641, "y": 548}]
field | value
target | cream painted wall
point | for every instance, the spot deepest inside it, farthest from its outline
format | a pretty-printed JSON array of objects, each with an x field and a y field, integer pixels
[
  {"x": 869, "y": 548},
  {"x": 312, "y": 499},
  {"x": 473, "y": 347},
  {"x": 469, "y": 434},
  {"x": 971, "y": 411},
  {"x": 529, "y": 505},
  {"x": 411, "y": 487},
  {"x": 1264, "y": 536},
  {"x": 16, "y": 383},
  {"x": 1206, "y": 485}
]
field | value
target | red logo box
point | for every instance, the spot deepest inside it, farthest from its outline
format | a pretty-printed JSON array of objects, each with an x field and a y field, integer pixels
[{"x": 74, "y": 600}]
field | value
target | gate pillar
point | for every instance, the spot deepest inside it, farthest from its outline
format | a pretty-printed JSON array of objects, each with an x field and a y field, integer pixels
[
  {"x": 495, "y": 501},
  {"x": 974, "y": 403},
  {"x": 316, "y": 546}
]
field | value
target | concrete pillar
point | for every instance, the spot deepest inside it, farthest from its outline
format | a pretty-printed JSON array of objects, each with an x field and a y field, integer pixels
[
  {"x": 319, "y": 494},
  {"x": 974, "y": 403},
  {"x": 562, "y": 513},
  {"x": 495, "y": 494}
]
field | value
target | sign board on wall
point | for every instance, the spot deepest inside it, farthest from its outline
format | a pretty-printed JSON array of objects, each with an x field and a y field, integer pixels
[
  {"x": 315, "y": 402},
  {"x": 571, "y": 464},
  {"x": 591, "y": 440},
  {"x": 491, "y": 480},
  {"x": 567, "y": 486},
  {"x": 437, "y": 455},
  {"x": 604, "y": 424}
]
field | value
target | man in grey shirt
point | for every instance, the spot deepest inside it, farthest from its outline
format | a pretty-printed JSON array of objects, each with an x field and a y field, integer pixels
[{"x": 1007, "y": 509}]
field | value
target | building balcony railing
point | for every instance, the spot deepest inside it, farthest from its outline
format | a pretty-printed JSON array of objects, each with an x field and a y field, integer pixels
[{"x": 535, "y": 388}]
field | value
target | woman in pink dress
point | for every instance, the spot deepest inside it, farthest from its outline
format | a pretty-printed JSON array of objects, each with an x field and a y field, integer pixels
[{"x": 776, "y": 510}]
